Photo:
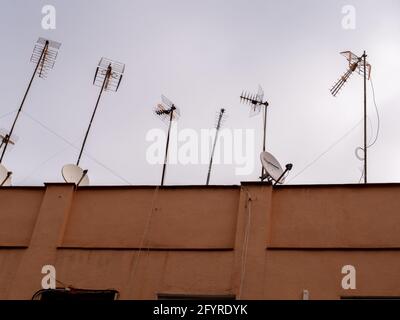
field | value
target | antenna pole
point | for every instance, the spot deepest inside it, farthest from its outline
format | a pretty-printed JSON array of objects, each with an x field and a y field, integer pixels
[
  {"x": 107, "y": 76},
  {"x": 23, "y": 100},
  {"x": 365, "y": 118},
  {"x": 263, "y": 172},
  {"x": 221, "y": 114},
  {"x": 171, "y": 116}
]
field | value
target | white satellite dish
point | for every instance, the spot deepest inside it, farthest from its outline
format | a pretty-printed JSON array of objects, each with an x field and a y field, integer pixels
[
  {"x": 272, "y": 167},
  {"x": 74, "y": 174},
  {"x": 5, "y": 177}
]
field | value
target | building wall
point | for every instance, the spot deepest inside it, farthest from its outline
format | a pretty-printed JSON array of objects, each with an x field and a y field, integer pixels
[{"x": 251, "y": 241}]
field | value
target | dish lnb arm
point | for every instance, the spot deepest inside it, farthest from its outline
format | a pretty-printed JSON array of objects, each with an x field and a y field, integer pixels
[{"x": 289, "y": 167}]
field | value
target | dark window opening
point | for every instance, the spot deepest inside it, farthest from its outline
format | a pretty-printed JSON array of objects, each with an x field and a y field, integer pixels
[{"x": 71, "y": 294}]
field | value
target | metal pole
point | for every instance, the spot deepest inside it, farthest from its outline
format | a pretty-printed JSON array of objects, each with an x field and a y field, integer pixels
[
  {"x": 215, "y": 143},
  {"x": 365, "y": 118},
  {"x": 23, "y": 100},
  {"x": 264, "y": 138},
  {"x": 94, "y": 112},
  {"x": 171, "y": 116}
]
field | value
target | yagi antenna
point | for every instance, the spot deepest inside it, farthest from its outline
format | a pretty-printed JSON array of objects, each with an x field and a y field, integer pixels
[
  {"x": 167, "y": 112},
  {"x": 49, "y": 49},
  {"x": 108, "y": 77},
  {"x": 256, "y": 102},
  {"x": 220, "y": 119},
  {"x": 356, "y": 64},
  {"x": 362, "y": 67},
  {"x": 44, "y": 56}
]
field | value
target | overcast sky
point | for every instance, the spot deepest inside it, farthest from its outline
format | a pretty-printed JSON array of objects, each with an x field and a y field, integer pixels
[{"x": 201, "y": 54}]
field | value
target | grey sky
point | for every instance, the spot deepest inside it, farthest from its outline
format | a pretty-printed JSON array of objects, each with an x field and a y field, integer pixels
[{"x": 201, "y": 54}]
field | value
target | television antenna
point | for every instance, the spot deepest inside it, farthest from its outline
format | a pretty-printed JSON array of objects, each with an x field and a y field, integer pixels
[
  {"x": 44, "y": 56},
  {"x": 256, "y": 101},
  {"x": 362, "y": 67},
  {"x": 273, "y": 170},
  {"x": 108, "y": 77},
  {"x": 168, "y": 112},
  {"x": 221, "y": 117}
]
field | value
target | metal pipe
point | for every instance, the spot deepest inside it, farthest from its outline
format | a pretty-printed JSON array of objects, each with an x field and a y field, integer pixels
[
  {"x": 365, "y": 118},
  {"x": 171, "y": 116},
  {"x": 221, "y": 114},
  {"x": 263, "y": 172}
]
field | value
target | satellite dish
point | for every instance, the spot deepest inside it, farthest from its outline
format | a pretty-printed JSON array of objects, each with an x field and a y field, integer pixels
[
  {"x": 74, "y": 174},
  {"x": 272, "y": 167},
  {"x": 5, "y": 177}
]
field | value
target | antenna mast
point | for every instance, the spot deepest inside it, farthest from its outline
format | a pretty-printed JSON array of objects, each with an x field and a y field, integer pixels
[
  {"x": 108, "y": 77},
  {"x": 167, "y": 111},
  {"x": 256, "y": 101},
  {"x": 361, "y": 66},
  {"x": 365, "y": 119},
  {"x": 220, "y": 119},
  {"x": 44, "y": 55}
]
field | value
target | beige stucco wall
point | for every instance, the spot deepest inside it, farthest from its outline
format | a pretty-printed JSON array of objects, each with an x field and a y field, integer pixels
[{"x": 252, "y": 241}]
